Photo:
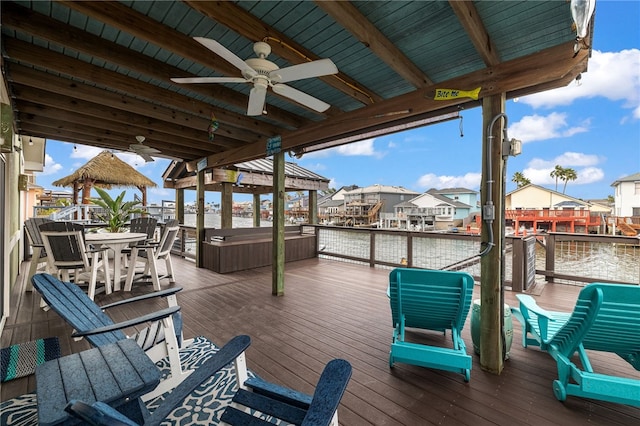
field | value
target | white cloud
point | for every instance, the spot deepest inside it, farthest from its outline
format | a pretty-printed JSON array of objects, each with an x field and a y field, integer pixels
[
  {"x": 612, "y": 75},
  {"x": 50, "y": 166},
  {"x": 85, "y": 152},
  {"x": 161, "y": 192},
  {"x": 364, "y": 147},
  {"x": 316, "y": 167},
  {"x": 538, "y": 127},
  {"x": 361, "y": 148},
  {"x": 539, "y": 170},
  {"x": 430, "y": 180}
]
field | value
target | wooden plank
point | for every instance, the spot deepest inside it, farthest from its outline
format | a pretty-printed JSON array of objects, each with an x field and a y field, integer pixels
[{"x": 339, "y": 309}]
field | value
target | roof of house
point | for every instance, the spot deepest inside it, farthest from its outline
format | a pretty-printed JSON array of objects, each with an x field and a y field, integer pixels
[
  {"x": 386, "y": 189},
  {"x": 452, "y": 191},
  {"x": 631, "y": 178}
]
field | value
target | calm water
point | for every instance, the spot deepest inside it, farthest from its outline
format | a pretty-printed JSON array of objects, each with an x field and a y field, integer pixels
[
  {"x": 597, "y": 260},
  {"x": 212, "y": 220}
]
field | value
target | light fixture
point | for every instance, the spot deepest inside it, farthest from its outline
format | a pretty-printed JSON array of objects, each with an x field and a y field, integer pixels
[
  {"x": 579, "y": 80},
  {"x": 581, "y": 11},
  {"x": 30, "y": 141}
]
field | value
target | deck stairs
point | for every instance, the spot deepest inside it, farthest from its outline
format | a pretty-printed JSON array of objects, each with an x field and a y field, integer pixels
[
  {"x": 627, "y": 229},
  {"x": 374, "y": 210}
]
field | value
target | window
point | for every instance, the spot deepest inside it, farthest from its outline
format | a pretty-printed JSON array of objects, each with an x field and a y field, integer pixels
[{"x": 637, "y": 184}]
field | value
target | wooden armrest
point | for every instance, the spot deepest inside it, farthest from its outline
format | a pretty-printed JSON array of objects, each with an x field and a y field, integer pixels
[
  {"x": 161, "y": 293},
  {"x": 280, "y": 393},
  {"x": 530, "y": 304},
  {"x": 155, "y": 316}
]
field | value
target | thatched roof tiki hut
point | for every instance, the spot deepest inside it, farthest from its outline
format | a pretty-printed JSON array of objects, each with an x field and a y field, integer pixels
[{"x": 105, "y": 170}]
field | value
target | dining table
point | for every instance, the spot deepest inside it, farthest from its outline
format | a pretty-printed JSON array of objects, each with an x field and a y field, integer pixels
[{"x": 116, "y": 241}]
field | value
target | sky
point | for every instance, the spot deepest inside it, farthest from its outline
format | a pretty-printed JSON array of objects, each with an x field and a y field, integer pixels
[{"x": 592, "y": 127}]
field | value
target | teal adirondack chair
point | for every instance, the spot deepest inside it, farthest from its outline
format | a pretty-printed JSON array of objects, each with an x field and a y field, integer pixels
[
  {"x": 430, "y": 300},
  {"x": 606, "y": 318}
]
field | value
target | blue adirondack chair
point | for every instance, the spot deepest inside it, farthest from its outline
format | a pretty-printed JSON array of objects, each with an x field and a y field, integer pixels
[
  {"x": 606, "y": 318},
  {"x": 430, "y": 300},
  {"x": 260, "y": 396},
  {"x": 162, "y": 338}
]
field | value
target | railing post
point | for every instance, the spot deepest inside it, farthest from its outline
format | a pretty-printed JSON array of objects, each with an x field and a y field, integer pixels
[
  {"x": 409, "y": 250},
  {"x": 372, "y": 249},
  {"x": 550, "y": 258}
]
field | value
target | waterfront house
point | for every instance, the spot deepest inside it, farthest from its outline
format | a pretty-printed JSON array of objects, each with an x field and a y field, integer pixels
[
  {"x": 535, "y": 197},
  {"x": 463, "y": 195},
  {"x": 331, "y": 206},
  {"x": 374, "y": 203},
  {"x": 436, "y": 209},
  {"x": 627, "y": 196}
]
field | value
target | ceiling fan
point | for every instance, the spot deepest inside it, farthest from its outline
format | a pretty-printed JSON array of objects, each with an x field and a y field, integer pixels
[
  {"x": 263, "y": 73},
  {"x": 142, "y": 150}
]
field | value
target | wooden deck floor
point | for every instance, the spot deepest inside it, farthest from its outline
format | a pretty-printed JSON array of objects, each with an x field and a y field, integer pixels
[{"x": 334, "y": 309}]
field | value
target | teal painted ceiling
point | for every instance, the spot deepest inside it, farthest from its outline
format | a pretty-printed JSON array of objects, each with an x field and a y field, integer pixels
[{"x": 98, "y": 73}]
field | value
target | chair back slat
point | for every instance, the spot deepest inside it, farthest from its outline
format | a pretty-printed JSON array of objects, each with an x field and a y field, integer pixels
[
  {"x": 169, "y": 235},
  {"x": 606, "y": 318},
  {"x": 32, "y": 226},
  {"x": 79, "y": 311},
  {"x": 64, "y": 241},
  {"x": 145, "y": 225},
  {"x": 428, "y": 299}
]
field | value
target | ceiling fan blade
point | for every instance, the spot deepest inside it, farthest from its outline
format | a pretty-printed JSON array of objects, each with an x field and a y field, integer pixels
[
  {"x": 138, "y": 148},
  {"x": 301, "y": 97},
  {"x": 256, "y": 100},
  {"x": 147, "y": 158},
  {"x": 209, "y": 80},
  {"x": 307, "y": 70},
  {"x": 223, "y": 52}
]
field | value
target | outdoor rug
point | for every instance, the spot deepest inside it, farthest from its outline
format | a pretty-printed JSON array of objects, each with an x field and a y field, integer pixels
[
  {"x": 21, "y": 360},
  {"x": 203, "y": 407}
]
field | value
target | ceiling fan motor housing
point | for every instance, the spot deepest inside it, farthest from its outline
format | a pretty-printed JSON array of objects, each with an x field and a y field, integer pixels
[{"x": 260, "y": 66}]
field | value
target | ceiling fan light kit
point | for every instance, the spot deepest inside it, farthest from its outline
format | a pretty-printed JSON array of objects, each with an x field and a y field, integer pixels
[{"x": 263, "y": 73}]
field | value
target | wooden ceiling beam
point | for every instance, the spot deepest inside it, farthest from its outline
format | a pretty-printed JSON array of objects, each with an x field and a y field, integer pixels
[
  {"x": 40, "y": 26},
  {"x": 472, "y": 23},
  {"x": 347, "y": 15},
  {"x": 521, "y": 74},
  {"x": 101, "y": 137},
  {"x": 113, "y": 116},
  {"x": 247, "y": 25},
  {"x": 84, "y": 139},
  {"x": 37, "y": 56},
  {"x": 155, "y": 138},
  {"x": 63, "y": 86},
  {"x": 262, "y": 183}
]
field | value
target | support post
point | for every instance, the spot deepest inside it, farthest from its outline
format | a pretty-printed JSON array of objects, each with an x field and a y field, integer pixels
[
  {"x": 256, "y": 210},
  {"x": 226, "y": 200},
  {"x": 179, "y": 206},
  {"x": 199, "y": 218},
  {"x": 491, "y": 342},
  {"x": 313, "y": 207},
  {"x": 277, "y": 265}
]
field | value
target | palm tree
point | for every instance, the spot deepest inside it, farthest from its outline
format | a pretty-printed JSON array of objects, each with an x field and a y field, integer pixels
[
  {"x": 520, "y": 180},
  {"x": 567, "y": 175},
  {"x": 557, "y": 173}
]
